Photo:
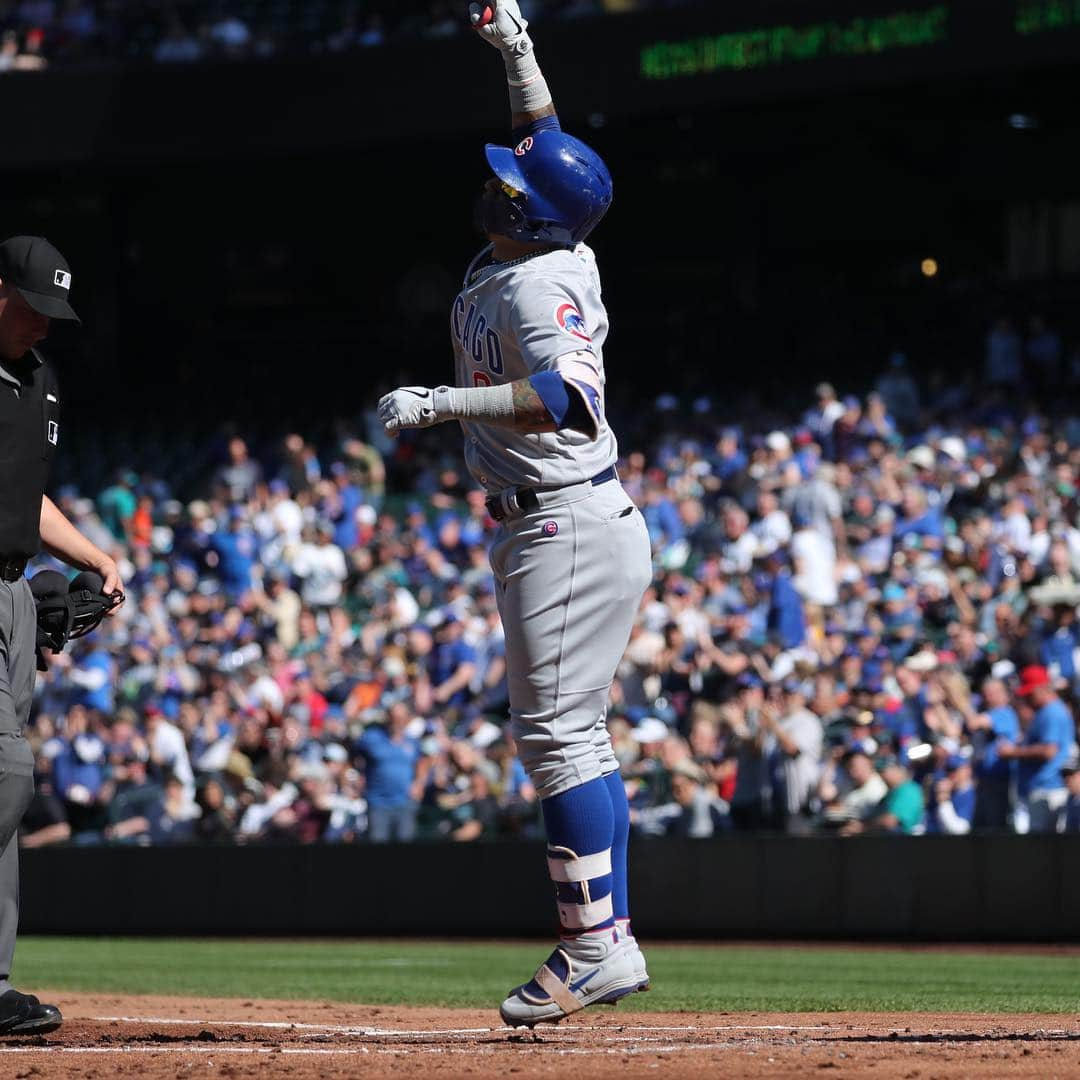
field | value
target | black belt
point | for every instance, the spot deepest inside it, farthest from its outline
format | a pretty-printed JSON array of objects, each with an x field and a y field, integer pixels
[
  {"x": 12, "y": 567},
  {"x": 526, "y": 498}
]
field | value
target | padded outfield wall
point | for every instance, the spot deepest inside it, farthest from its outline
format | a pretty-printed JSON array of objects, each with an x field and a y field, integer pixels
[{"x": 975, "y": 888}]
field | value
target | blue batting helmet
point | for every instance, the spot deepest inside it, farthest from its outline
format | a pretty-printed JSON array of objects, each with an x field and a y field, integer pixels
[{"x": 556, "y": 189}]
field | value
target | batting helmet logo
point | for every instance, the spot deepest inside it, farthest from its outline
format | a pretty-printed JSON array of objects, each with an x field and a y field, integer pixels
[{"x": 524, "y": 146}]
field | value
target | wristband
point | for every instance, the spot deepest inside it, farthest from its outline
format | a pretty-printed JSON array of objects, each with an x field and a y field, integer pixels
[
  {"x": 483, "y": 404},
  {"x": 528, "y": 89}
]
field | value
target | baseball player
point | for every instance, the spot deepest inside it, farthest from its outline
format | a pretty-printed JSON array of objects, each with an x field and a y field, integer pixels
[{"x": 571, "y": 559}]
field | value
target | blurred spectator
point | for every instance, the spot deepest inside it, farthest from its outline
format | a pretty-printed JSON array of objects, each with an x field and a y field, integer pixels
[
  {"x": 239, "y": 477},
  {"x": 1043, "y": 353},
  {"x": 46, "y": 819},
  {"x": 694, "y": 811},
  {"x": 798, "y": 736},
  {"x": 898, "y": 392},
  {"x": 997, "y": 723},
  {"x": 117, "y": 503},
  {"x": 80, "y": 773},
  {"x": 814, "y": 557},
  {"x": 172, "y": 821},
  {"x": 392, "y": 792},
  {"x": 1071, "y": 772},
  {"x": 952, "y": 807},
  {"x": 474, "y": 811},
  {"x": 320, "y": 565},
  {"x": 751, "y": 802},
  {"x": 137, "y": 799},
  {"x": 853, "y": 796},
  {"x": 1049, "y": 733},
  {"x": 452, "y": 664},
  {"x": 168, "y": 751},
  {"x": 1004, "y": 355},
  {"x": 901, "y": 809}
]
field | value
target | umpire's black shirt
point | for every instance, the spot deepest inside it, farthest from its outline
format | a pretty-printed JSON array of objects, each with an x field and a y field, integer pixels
[{"x": 29, "y": 432}]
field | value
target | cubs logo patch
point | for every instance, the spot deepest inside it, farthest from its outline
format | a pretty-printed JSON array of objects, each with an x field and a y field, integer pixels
[
  {"x": 550, "y": 528},
  {"x": 568, "y": 318},
  {"x": 524, "y": 146}
]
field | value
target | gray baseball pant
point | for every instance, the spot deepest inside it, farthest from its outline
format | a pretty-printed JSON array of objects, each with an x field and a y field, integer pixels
[
  {"x": 18, "y": 670},
  {"x": 569, "y": 578}
]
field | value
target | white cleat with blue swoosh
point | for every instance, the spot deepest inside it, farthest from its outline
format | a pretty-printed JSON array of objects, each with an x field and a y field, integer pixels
[{"x": 592, "y": 970}]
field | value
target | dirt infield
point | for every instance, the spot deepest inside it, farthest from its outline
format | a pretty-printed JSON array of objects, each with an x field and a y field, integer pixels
[{"x": 106, "y": 1035}]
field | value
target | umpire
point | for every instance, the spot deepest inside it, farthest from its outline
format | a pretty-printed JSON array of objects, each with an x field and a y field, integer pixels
[{"x": 35, "y": 286}]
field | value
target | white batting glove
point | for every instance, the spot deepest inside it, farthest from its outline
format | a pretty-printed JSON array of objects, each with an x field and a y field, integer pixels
[
  {"x": 409, "y": 407},
  {"x": 505, "y": 27}
]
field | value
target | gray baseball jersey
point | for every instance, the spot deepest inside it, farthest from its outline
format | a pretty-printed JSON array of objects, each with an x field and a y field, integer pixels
[{"x": 513, "y": 320}]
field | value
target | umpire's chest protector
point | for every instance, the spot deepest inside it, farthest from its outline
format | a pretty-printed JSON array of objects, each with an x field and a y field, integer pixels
[{"x": 29, "y": 436}]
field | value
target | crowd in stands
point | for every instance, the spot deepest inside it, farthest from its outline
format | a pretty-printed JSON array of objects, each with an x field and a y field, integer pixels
[
  {"x": 40, "y": 32},
  {"x": 863, "y": 619}
]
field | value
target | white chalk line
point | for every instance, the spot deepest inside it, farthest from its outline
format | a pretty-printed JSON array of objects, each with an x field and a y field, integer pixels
[
  {"x": 287, "y": 1025},
  {"x": 550, "y": 1040},
  {"x": 334, "y": 1029},
  {"x": 396, "y": 1051}
]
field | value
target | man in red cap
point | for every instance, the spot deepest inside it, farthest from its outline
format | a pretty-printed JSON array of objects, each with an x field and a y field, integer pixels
[{"x": 1049, "y": 737}]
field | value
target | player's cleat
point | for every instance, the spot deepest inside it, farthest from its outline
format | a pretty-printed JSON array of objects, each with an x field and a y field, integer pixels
[
  {"x": 589, "y": 971},
  {"x": 23, "y": 1014},
  {"x": 639, "y": 960}
]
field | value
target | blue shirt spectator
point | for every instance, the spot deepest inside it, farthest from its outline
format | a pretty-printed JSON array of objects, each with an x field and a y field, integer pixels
[
  {"x": 93, "y": 676},
  {"x": 390, "y": 756},
  {"x": 1058, "y": 649},
  {"x": 663, "y": 521},
  {"x": 350, "y": 499},
  {"x": 729, "y": 459},
  {"x": 1053, "y": 725},
  {"x": 1051, "y": 730},
  {"x": 452, "y": 664},
  {"x": 79, "y": 771},
  {"x": 1004, "y": 724},
  {"x": 237, "y": 551},
  {"x": 952, "y": 806},
  {"x": 786, "y": 612}
]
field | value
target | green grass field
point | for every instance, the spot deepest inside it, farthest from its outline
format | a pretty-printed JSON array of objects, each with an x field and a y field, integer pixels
[{"x": 700, "y": 977}]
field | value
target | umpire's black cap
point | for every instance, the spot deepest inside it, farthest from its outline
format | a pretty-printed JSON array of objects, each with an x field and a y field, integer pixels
[{"x": 40, "y": 273}]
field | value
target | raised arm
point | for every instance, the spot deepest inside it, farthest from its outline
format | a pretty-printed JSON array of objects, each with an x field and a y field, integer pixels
[
  {"x": 537, "y": 404},
  {"x": 500, "y": 24}
]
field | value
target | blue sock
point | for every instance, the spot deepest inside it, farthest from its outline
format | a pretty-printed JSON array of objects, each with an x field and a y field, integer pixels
[
  {"x": 580, "y": 826},
  {"x": 621, "y": 814}
]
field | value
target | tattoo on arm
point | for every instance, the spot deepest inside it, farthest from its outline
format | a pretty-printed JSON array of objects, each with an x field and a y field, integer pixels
[
  {"x": 530, "y": 413},
  {"x": 521, "y": 119}
]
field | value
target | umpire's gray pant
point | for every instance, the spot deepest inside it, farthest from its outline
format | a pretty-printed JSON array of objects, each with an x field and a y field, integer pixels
[
  {"x": 569, "y": 578},
  {"x": 18, "y": 669}
]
